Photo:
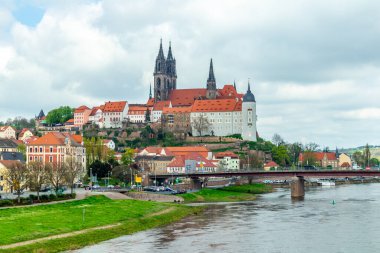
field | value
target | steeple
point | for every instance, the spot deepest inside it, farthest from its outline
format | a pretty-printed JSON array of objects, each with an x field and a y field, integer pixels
[
  {"x": 211, "y": 76},
  {"x": 234, "y": 85},
  {"x": 161, "y": 51},
  {"x": 249, "y": 97},
  {"x": 150, "y": 91},
  {"x": 170, "y": 55},
  {"x": 160, "y": 66}
]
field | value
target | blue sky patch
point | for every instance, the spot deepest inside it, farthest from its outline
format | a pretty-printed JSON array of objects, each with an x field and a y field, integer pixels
[{"x": 28, "y": 14}]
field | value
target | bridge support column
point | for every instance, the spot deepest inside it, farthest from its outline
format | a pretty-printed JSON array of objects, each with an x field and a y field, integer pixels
[
  {"x": 297, "y": 187},
  {"x": 195, "y": 183}
]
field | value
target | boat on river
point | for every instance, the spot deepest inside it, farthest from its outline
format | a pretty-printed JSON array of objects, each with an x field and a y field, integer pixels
[{"x": 326, "y": 182}]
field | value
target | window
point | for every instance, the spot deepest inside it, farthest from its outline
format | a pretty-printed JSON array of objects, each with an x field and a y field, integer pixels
[
  {"x": 30, "y": 149},
  {"x": 50, "y": 159},
  {"x": 51, "y": 149}
]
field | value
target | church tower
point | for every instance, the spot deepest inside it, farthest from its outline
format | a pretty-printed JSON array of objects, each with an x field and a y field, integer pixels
[
  {"x": 211, "y": 83},
  {"x": 165, "y": 74},
  {"x": 249, "y": 117}
]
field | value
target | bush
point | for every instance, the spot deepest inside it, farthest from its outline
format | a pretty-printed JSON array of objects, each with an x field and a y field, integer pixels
[
  {"x": 44, "y": 197},
  {"x": 6, "y": 202},
  {"x": 52, "y": 197},
  {"x": 33, "y": 197}
]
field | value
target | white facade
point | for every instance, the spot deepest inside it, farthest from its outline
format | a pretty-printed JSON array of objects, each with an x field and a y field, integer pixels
[
  {"x": 228, "y": 163},
  {"x": 109, "y": 144},
  {"x": 7, "y": 132},
  {"x": 221, "y": 123},
  {"x": 97, "y": 118},
  {"x": 115, "y": 118},
  {"x": 249, "y": 119},
  {"x": 156, "y": 115}
]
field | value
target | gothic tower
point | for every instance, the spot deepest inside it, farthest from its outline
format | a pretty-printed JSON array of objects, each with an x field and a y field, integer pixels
[
  {"x": 165, "y": 75},
  {"x": 249, "y": 117},
  {"x": 211, "y": 83}
]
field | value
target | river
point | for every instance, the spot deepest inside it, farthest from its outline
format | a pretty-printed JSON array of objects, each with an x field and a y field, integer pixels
[{"x": 338, "y": 219}]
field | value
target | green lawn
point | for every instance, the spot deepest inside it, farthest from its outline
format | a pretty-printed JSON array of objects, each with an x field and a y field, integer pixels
[
  {"x": 22, "y": 224},
  {"x": 227, "y": 194}
]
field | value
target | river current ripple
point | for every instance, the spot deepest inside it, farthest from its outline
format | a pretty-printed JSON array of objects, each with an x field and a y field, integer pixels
[{"x": 340, "y": 219}]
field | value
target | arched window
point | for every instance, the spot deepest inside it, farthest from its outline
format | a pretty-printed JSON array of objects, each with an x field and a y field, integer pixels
[{"x": 158, "y": 83}]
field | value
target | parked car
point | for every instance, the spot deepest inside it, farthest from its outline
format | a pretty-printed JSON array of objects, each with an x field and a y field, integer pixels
[{"x": 110, "y": 186}]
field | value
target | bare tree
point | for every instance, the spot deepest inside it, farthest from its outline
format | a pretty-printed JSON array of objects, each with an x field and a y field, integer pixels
[
  {"x": 56, "y": 175},
  {"x": 17, "y": 177},
  {"x": 277, "y": 140},
  {"x": 37, "y": 176},
  {"x": 73, "y": 172},
  {"x": 201, "y": 124}
]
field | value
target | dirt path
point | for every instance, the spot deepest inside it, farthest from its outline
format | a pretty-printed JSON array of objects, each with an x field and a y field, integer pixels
[{"x": 18, "y": 244}]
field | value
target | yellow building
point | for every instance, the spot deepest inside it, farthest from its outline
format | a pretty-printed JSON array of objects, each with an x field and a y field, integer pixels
[
  {"x": 344, "y": 160},
  {"x": 4, "y": 166}
]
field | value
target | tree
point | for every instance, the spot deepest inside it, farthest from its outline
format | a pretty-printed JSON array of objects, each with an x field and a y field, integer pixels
[
  {"x": 56, "y": 175},
  {"x": 252, "y": 160},
  {"x": 309, "y": 158},
  {"x": 280, "y": 155},
  {"x": 201, "y": 124},
  {"x": 127, "y": 157},
  {"x": 60, "y": 115},
  {"x": 277, "y": 140},
  {"x": 374, "y": 162},
  {"x": 22, "y": 149},
  {"x": 72, "y": 173},
  {"x": 37, "y": 176},
  {"x": 17, "y": 177},
  {"x": 294, "y": 150},
  {"x": 311, "y": 147},
  {"x": 358, "y": 158},
  {"x": 366, "y": 155}
]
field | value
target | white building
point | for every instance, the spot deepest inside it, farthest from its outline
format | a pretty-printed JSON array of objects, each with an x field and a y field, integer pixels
[
  {"x": 249, "y": 116},
  {"x": 158, "y": 108},
  {"x": 7, "y": 132},
  {"x": 96, "y": 116},
  {"x": 137, "y": 113},
  {"x": 227, "y": 161},
  {"x": 109, "y": 144},
  {"x": 115, "y": 113}
]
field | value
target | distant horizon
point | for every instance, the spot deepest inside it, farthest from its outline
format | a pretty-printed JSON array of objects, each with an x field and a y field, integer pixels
[{"x": 314, "y": 70}]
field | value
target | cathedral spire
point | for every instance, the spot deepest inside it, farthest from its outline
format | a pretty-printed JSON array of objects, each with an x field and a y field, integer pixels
[
  {"x": 170, "y": 55},
  {"x": 234, "y": 85},
  {"x": 150, "y": 91},
  {"x": 161, "y": 51},
  {"x": 211, "y": 76}
]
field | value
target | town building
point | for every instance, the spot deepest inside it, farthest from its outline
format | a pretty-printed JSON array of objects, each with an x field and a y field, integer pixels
[
  {"x": 137, "y": 113},
  {"x": 344, "y": 161},
  {"x": 96, "y": 116},
  {"x": 12, "y": 156},
  {"x": 81, "y": 115},
  {"x": 321, "y": 159},
  {"x": 25, "y": 134},
  {"x": 227, "y": 161},
  {"x": 115, "y": 114},
  {"x": 6, "y": 165},
  {"x": 271, "y": 165},
  {"x": 176, "y": 120},
  {"x": 57, "y": 148},
  {"x": 7, "y": 132},
  {"x": 8, "y": 145},
  {"x": 109, "y": 144}
]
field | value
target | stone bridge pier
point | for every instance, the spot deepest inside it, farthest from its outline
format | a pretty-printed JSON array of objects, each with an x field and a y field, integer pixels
[{"x": 297, "y": 187}]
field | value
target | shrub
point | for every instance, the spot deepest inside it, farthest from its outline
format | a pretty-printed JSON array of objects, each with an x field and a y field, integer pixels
[
  {"x": 44, "y": 197},
  {"x": 32, "y": 197},
  {"x": 52, "y": 197},
  {"x": 6, "y": 202}
]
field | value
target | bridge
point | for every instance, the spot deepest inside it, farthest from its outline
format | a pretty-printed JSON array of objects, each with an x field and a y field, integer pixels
[{"x": 297, "y": 184}]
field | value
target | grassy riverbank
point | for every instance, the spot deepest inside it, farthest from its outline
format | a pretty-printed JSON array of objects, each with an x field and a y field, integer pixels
[
  {"x": 227, "y": 194},
  {"x": 126, "y": 216}
]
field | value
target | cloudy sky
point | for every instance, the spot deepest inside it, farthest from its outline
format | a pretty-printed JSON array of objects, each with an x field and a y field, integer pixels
[{"x": 314, "y": 67}]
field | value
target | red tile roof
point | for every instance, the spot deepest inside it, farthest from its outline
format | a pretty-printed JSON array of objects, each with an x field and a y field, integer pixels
[
  {"x": 226, "y": 154},
  {"x": 167, "y": 110},
  {"x": 319, "y": 156},
  {"x": 271, "y": 164},
  {"x": 160, "y": 105},
  {"x": 3, "y": 128},
  {"x": 23, "y": 131},
  {"x": 56, "y": 138},
  {"x": 114, "y": 106},
  {"x": 217, "y": 105},
  {"x": 186, "y": 97},
  {"x": 81, "y": 109},
  {"x": 135, "y": 109},
  {"x": 150, "y": 102},
  {"x": 94, "y": 110}
]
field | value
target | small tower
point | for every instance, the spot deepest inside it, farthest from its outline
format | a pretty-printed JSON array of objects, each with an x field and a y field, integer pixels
[
  {"x": 249, "y": 117},
  {"x": 211, "y": 83}
]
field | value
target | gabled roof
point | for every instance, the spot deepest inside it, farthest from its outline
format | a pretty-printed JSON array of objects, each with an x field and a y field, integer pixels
[
  {"x": 114, "y": 106},
  {"x": 150, "y": 102},
  {"x": 320, "y": 155},
  {"x": 271, "y": 164},
  {"x": 186, "y": 97},
  {"x": 69, "y": 122},
  {"x": 217, "y": 105},
  {"x": 81, "y": 109},
  {"x": 228, "y": 91},
  {"x": 15, "y": 156},
  {"x": 57, "y": 138},
  {"x": 4, "y": 128},
  {"x": 23, "y": 131},
  {"x": 7, "y": 143},
  {"x": 160, "y": 105},
  {"x": 226, "y": 154}
]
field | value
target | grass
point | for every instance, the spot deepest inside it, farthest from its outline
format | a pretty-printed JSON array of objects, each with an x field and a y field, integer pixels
[
  {"x": 22, "y": 224},
  {"x": 227, "y": 194}
]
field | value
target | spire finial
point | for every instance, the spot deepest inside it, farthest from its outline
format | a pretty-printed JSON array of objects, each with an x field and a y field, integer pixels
[{"x": 211, "y": 76}]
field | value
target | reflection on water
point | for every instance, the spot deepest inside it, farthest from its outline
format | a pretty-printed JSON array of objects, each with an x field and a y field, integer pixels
[{"x": 336, "y": 219}]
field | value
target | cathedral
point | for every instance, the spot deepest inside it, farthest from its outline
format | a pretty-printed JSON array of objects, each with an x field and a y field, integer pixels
[{"x": 224, "y": 110}]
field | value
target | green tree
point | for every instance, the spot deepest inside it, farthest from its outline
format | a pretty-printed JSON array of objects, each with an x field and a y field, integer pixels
[
  {"x": 280, "y": 155},
  {"x": 294, "y": 150},
  {"x": 127, "y": 157},
  {"x": 60, "y": 115},
  {"x": 374, "y": 162},
  {"x": 22, "y": 149},
  {"x": 358, "y": 158},
  {"x": 366, "y": 155}
]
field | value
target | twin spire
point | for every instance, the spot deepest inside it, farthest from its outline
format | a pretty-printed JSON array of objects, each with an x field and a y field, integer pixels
[{"x": 161, "y": 52}]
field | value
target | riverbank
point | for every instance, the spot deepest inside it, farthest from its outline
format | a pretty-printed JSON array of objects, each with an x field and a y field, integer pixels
[
  {"x": 73, "y": 225},
  {"x": 235, "y": 193}
]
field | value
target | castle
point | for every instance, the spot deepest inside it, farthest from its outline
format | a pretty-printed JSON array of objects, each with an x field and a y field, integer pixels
[{"x": 203, "y": 111}]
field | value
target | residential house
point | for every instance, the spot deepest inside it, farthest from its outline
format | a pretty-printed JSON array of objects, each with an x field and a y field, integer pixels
[
  {"x": 322, "y": 159},
  {"x": 7, "y": 145},
  {"x": 25, "y": 134},
  {"x": 345, "y": 160},
  {"x": 109, "y": 144},
  {"x": 56, "y": 148},
  {"x": 12, "y": 156},
  {"x": 7, "y": 132},
  {"x": 227, "y": 161},
  {"x": 115, "y": 113},
  {"x": 96, "y": 116},
  {"x": 155, "y": 164},
  {"x": 176, "y": 151},
  {"x": 6, "y": 165},
  {"x": 191, "y": 163},
  {"x": 81, "y": 115},
  {"x": 270, "y": 165}
]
